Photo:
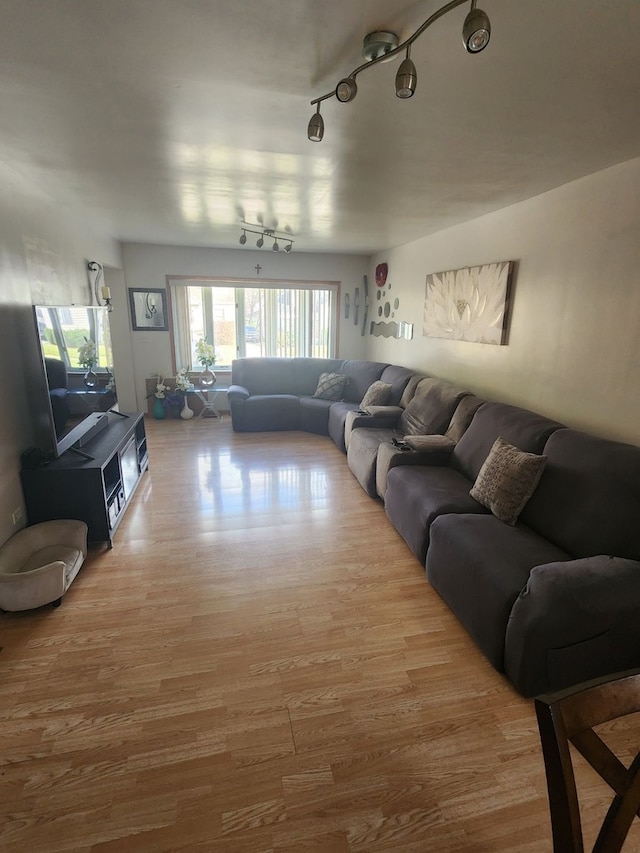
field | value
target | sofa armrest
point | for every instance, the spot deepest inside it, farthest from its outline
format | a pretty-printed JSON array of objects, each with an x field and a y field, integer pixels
[
  {"x": 237, "y": 392},
  {"x": 435, "y": 452},
  {"x": 384, "y": 413},
  {"x": 574, "y": 621}
]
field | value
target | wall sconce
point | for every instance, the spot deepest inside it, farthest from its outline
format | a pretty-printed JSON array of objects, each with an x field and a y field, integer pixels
[
  {"x": 380, "y": 46},
  {"x": 105, "y": 292},
  {"x": 268, "y": 233}
]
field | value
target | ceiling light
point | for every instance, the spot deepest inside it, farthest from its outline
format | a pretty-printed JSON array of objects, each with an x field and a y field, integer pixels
[
  {"x": 383, "y": 46},
  {"x": 264, "y": 234},
  {"x": 476, "y": 31},
  {"x": 315, "y": 130},
  {"x": 378, "y": 44},
  {"x": 406, "y": 78},
  {"x": 346, "y": 90}
]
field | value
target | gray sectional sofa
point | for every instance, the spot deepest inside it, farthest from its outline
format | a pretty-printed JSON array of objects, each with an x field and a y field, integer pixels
[{"x": 550, "y": 592}]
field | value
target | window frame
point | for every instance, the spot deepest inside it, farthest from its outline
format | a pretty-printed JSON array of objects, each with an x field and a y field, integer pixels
[{"x": 176, "y": 281}]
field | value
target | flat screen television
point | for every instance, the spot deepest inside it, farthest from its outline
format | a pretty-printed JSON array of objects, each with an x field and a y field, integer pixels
[{"x": 77, "y": 365}]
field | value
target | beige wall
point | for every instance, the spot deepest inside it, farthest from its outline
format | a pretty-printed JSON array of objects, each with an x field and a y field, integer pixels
[
  {"x": 43, "y": 255},
  {"x": 148, "y": 266},
  {"x": 575, "y": 325}
]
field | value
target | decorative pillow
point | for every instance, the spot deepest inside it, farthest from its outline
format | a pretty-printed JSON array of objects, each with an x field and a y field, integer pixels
[
  {"x": 507, "y": 480},
  {"x": 331, "y": 386},
  {"x": 377, "y": 394}
]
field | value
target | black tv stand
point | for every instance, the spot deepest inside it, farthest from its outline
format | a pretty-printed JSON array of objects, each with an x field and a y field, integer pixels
[{"x": 94, "y": 487}]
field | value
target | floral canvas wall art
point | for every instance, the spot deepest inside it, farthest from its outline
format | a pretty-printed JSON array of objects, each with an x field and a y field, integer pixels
[{"x": 469, "y": 304}]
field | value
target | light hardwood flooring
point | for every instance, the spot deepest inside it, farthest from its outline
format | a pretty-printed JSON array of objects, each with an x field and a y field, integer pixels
[{"x": 260, "y": 666}]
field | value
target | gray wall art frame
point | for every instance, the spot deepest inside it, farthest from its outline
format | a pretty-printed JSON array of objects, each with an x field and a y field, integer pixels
[
  {"x": 148, "y": 309},
  {"x": 470, "y": 304}
]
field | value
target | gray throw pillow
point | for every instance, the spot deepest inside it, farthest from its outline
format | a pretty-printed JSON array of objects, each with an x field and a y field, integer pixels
[
  {"x": 507, "y": 480},
  {"x": 331, "y": 386},
  {"x": 377, "y": 394}
]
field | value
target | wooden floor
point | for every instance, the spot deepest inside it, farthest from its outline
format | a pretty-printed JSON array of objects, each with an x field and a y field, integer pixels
[{"x": 260, "y": 665}]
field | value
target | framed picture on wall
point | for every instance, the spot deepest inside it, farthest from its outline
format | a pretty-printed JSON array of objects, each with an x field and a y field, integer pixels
[{"x": 148, "y": 310}]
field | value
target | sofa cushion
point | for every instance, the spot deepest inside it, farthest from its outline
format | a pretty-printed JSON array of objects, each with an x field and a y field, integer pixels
[
  {"x": 314, "y": 415},
  {"x": 479, "y": 566},
  {"x": 588, "y": 498},
  {"x": 431, "y": 408},
  {"x": 399, "y": 378},
  {"x": 463, "y": 415},
  {"x": 377, "y": 394},
  {"x": 425, "y": 450},
  {"x": 331, "y": 386},
  {"x": 265, "y": 375},
  {"x": 361, "y": 374},
  {"x": 307, "y": 370},
  {"x": 270, "y": 412},
  {"x": 520, "y": 427},
  {"x": 507, "y": 480},
  {"x": 415, "y": 496}
]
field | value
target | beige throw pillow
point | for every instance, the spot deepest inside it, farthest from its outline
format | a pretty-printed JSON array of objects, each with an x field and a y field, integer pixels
[
  {"x": 507, "y": 480},
  {"x": 377, "y": 394}
]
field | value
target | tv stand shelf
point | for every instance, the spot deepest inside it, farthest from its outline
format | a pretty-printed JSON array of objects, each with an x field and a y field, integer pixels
[{"x": 95, "y": 488}]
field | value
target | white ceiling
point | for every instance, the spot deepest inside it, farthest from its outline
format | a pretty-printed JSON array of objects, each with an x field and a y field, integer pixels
[{"x": 173, "y": 120}]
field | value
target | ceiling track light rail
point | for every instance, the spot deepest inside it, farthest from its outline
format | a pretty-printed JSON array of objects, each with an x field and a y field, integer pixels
[
  {"x": 265, "y": 234},
  {"x": 379, "y": 47}
]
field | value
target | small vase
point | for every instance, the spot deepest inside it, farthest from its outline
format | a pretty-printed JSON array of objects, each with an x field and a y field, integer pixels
[
  {"x": 207, "y": 377},
  {"x": 90, "y": 379},
  {"x": 186, "y": 413},
  {"x": 159, "y": 412}
]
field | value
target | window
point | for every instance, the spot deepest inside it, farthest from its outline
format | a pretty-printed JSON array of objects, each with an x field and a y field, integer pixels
[{"x": 285, "y": 319}]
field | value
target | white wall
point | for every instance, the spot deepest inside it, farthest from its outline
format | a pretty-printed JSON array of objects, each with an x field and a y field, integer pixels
[
  {"x": 575, "y": 325},
  {"x": 148, "y": 266},
  {"x": 44, "y": 250}
]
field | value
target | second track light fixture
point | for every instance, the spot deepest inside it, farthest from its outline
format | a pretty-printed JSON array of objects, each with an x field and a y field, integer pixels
[
  {"x": 379, "y": 47},
  {"x": 265, "y": 233}
]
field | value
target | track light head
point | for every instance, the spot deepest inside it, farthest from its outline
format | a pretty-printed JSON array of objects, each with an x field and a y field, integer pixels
[
  {"x": 275, "y": 246},
  {"x": 288, "y": 248},
  {"x": 243, "y": 238},
  {"x": 346, "y": 90},
  {"x": 315, "y": 129},
  {"x": 476, "y": 31},
  {"x": 406, "y": 78},
  {"x": 260, "y": 241}
]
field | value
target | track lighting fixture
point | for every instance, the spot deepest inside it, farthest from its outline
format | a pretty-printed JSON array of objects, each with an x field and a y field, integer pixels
[
  {"x": 315, "y": 131},
  {"x": 477, "y": 30},
  {"x": 380, "y": 47},
  {"x": 265, "y": 233},
  {"x": 406, "y": 78}
]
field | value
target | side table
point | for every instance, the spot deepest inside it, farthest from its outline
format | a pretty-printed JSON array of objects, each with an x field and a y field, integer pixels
[{"x": 209, "y": 397}]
